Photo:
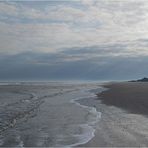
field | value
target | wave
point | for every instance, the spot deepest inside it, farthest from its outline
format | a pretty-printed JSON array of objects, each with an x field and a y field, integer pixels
[
  {"x": 71, "y": 130},
  {"x": 92, "y": 118},
  {"x": 11, "y": 113},
  {"x": 24, "y": 108}
]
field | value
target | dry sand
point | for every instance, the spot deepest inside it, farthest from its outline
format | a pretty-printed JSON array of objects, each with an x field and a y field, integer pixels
[{"x": 124, "y": 121}]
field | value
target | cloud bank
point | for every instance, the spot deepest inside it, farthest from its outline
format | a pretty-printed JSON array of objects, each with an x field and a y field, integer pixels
[{"x": 73, "y": 39}]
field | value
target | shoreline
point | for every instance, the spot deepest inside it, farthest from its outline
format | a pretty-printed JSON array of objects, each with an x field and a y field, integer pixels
[
  {"x": 117, "y": 127},
  {"x": 59, "y": 121},
  {"x": 124, "y": 116},
  {"x": 90, "y": 124}
]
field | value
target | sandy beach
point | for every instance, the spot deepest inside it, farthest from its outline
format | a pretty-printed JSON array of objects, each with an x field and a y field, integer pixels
[
  {"x": 60, "y": 114},
  {"x": 124, "y": 122},
  {"x": 46, "y": 114}
]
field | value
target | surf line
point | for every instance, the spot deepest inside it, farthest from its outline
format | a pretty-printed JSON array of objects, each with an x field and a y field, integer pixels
[{"x": 89, "y": 126}]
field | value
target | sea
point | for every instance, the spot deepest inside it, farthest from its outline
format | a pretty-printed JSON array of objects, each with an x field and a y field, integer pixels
[{"x": 47, "y": 114}]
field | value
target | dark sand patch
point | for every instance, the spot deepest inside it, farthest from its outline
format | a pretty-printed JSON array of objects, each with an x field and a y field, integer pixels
[{"x": 131, "y": 96}]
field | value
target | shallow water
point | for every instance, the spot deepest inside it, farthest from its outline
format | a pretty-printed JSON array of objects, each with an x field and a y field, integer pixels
[{"x": 47, "y": 114}]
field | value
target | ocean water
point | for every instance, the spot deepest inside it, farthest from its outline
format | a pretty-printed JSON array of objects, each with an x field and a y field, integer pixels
[{"x": 47, "y": 114}]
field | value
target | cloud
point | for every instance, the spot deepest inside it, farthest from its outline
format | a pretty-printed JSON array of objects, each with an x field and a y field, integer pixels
[
  {"x": 54, "y": 27},
  {"x": 8, "y": 9},
  {"x": 56, "y": 66},
  {"x": 99, "y": 36}
]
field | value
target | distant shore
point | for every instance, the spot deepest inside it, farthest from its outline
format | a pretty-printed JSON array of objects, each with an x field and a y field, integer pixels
[{"x": 124, "y": 108}]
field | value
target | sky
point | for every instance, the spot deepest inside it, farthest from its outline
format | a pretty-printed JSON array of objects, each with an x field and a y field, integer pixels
[{"x": 73, "y": 40}]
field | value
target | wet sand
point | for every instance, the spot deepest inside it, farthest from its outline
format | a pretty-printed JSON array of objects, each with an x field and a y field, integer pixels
[
  {"x": 46, "y": 114},
  {"x": 131, "y": 96},
  {"x": 124, "y": 122}
]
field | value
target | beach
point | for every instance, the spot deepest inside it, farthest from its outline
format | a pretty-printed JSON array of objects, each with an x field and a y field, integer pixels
[
  {"x": 124, "y": 122},
  {"x": 47, "y": 114},
  {"x": 74, "y": 114}
]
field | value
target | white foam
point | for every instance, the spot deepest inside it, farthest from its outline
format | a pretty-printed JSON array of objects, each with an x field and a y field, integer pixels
[
  {"x": 3, "y": 83},
  {"x": 86, "y": 136},
  {"x": 89, "y": 127},
  {"x": 20, "y": 142}
]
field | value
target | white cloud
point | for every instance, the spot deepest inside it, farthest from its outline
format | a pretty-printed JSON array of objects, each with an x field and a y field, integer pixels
[
  {"x": 54, "y": 28},
  {"x": 8, "y": 9}
]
